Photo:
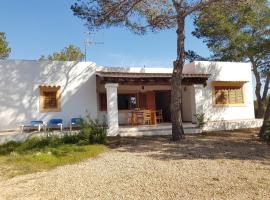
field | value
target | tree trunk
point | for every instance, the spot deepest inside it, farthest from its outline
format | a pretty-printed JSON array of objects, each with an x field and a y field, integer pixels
[
  {"x": 265, "y": 121},
  {"x": 260, "y": 109},
  {"x": 266, "y": 87},
  {"x": 176, "y": 92}
]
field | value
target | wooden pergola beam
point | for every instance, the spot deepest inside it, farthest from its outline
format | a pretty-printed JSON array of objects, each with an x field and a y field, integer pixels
[
  {"x": 151, "y": 81},
  {"x": 141, "y": 78}
]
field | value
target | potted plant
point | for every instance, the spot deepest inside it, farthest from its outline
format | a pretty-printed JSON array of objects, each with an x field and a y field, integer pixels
[{"x": 200, "y": 118}]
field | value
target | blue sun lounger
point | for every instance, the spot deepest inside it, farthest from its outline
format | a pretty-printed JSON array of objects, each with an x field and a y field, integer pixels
[
  {"x": 75, "y": 122},
  {"x": 55, "y": 123},
  {"x": 34, "y": 124}
]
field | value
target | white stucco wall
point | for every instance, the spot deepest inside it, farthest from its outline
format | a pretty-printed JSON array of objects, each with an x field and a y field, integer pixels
[
  {"x": 188, "y": 104},
  {"x": 224, "y": 71},
  {"x": 189, "y": 68},
  {"x": 19, "y": 90}
]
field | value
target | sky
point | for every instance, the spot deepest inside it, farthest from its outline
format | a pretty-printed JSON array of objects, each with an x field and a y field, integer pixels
[{"x": 34, "y": 28}]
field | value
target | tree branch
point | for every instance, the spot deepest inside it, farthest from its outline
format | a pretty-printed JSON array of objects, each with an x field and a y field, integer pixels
[
  {"x": 199, "y": 6},
  {"x": 264, "y": 63},
  {"x": 257, "y": 78}
]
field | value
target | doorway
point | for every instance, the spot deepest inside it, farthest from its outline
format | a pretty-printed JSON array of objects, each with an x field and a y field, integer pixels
[{"x": 163, "y": 101}]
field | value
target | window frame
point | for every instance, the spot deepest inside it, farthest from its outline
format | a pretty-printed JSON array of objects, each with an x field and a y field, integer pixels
[
  {"x": 42, "y": 91},
  {"x": 103, "y": 95},
  {"x": 129, "y": 95},
  {"x": 240, "y": 84}
]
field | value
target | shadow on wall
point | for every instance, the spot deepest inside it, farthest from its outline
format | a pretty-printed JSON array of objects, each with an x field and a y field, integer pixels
[{"x": 19, "y": 88}]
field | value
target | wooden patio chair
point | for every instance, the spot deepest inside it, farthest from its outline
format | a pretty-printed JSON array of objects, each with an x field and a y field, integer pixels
[
  {"x": 147, "y": 117},
  {"x": 131, "y": 118},
  {"x": 159, "y": 116},
  {"x": 139, "y": 117}
]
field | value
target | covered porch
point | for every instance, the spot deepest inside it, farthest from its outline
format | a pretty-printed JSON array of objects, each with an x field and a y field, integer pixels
[{"x": 120, "y": 94}]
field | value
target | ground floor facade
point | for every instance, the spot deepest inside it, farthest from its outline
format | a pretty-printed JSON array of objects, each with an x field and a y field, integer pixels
[{"x": 44, "y": 90}]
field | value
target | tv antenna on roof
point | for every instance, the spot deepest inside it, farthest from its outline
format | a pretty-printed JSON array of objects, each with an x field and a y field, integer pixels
[{"x": 88, "y": 42}]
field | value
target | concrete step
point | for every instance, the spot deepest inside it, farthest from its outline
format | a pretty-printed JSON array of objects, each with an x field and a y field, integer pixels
[{"x": 154, "y": 130}]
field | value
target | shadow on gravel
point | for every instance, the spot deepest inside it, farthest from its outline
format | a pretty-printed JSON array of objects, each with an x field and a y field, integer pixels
[{"x": 237, "y": 145}]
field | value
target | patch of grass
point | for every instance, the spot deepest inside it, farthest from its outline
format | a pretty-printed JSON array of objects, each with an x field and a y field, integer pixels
[
  {"x": 39, "y": 154},
  {"x": 43, "y": 153}
]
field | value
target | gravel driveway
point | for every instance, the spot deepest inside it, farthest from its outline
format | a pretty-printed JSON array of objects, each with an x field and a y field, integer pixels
[{"x": 232, "y": 166}]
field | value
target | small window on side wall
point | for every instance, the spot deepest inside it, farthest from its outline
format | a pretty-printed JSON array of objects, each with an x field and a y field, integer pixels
[
  {"x": 50, "y": 99},
  {"x": 228, "y": 93}
]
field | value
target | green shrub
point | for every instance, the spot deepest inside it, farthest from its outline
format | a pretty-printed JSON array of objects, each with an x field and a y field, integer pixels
[
  {"x": 9, "y": 147},
  {"x": 39, "y": 143},
  {"x": 94, "y": 131},
  {"x": 70, "y": 139},
  {"x": 30, "y": 144},
  {"x": 83, "y": 142},
  {"x": 200, "y": 118}
]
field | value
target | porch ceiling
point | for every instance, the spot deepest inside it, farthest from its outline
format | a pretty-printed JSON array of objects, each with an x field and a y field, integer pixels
[{"x": 135, "y": 78}]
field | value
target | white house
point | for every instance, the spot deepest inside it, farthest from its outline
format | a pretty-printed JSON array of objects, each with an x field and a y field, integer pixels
[{"x": 42, "y": 90}]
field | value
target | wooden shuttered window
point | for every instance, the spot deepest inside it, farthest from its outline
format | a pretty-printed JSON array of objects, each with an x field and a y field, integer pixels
[
  {"x": 50, "y": 99},
  {"x": 228, "y": 94}
]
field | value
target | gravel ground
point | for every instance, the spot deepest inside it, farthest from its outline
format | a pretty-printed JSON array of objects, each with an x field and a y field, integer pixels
[{"x": 231, "y": 166}]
